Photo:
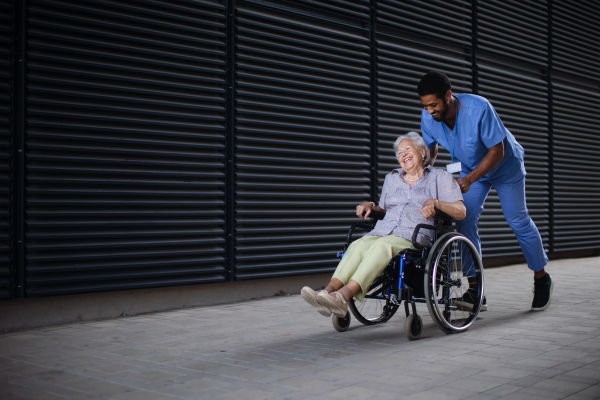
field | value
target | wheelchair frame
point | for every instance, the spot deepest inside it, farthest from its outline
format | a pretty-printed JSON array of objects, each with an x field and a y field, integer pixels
[{"x": 438, "y": 270}]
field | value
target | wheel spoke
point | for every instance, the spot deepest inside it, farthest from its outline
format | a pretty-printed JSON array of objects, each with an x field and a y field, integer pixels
[
  {"x": 375, "y": 307},
  {"x": 453, "y": 260}
]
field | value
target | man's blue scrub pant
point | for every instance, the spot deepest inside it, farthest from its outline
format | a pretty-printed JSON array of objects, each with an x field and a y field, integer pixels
[{"x": 512, "y": 200}]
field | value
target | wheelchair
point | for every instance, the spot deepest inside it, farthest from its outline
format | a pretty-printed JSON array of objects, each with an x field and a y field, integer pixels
[{"x": 438, "y": 276}]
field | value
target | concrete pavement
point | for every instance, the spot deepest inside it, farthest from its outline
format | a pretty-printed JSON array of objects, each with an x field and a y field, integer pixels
[{"x": 280, "y": 348}]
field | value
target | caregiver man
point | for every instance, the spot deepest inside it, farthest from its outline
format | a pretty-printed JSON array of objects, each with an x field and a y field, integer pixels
[{"x": 487, "y": 155}]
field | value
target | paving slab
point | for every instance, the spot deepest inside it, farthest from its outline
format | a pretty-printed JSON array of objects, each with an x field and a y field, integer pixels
[{"x": 280, "y": 348}]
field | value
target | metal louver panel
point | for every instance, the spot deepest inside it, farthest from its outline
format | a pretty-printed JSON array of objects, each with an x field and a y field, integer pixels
[
  {"x": 507, "y": 32},
  {"x": 513, "y": 29},
  {"x": 302, "y": 136},
  {"x": 125, "y": 138},
  {"x": 576, "y": 188},
  {"x": 521, "y": 101},
  {"x": 400, "y": 66},
  {"x": 575, "y": 78},
  {"x": 413, "y": 38},
  {"x": 575, "y": 39},
  {"x": 6, "y": 83},
  {"x": 445, "y": 21},
  {"x": 357, "y": 9},
  {"x": 190, "y": 141}
]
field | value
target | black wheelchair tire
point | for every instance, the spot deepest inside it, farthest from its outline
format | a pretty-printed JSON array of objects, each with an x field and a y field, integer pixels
[
  {"x": 341, "y": 324},
  {"x": 413, "y": 327},
  {"x": 447, "y": 316},
  {"x": 383, "y": 309}
]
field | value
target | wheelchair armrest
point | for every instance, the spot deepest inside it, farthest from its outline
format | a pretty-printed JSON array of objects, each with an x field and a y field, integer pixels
[
  {"x": 443, "y": 215},
  {"x": 439, "y": 215},
  {"x": 376, "y": 215},
  {"x": 351, "y": 231},
  {"x": 418, "y": 245}
]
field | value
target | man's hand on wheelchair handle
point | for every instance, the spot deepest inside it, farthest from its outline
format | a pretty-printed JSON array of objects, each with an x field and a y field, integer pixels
[{"x": 364, "y": 208}]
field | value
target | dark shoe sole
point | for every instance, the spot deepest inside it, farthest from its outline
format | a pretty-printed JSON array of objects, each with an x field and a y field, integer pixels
[{"x": 549, "y": 298}]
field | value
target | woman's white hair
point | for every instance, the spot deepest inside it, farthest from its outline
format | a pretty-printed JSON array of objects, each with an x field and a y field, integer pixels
[{"x": 417, "y": 140}]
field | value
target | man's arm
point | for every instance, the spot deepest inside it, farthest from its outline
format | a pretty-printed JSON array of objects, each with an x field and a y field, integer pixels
[
  {"x": 433, "y": 152},
  {"x": 491, "y": 159}
]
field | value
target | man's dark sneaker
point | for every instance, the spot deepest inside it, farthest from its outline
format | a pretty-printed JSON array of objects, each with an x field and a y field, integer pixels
[
  {"x": 465, "y": 303},
  {"x": 542, "y": 293}
]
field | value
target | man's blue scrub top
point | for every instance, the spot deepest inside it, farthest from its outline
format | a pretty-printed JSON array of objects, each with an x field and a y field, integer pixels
[{"x": 478, "y": 128}]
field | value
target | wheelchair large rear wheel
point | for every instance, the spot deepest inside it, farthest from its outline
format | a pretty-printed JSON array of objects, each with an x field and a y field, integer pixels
[
  {"x": 452, "y": 261},
  {"x": 376, "y": 307}
]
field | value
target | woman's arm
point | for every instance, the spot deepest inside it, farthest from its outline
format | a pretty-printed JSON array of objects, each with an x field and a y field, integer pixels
[
  {"x": 456, "y": 210},
  {"x": 366, "y": 208}
]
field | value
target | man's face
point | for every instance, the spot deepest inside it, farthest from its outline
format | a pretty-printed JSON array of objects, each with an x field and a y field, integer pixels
[{"x": 436, "y": 107}]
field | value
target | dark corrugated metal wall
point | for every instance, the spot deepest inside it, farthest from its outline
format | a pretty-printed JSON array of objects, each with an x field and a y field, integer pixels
[
  {"x": 134, "y": 109},
  {"x": 512, "y": 57},
  {"x": 6, "y": 92},
  {"x": 576, "y": 89},
  {"x": 303, "y": 141},
  {"x": 125, "y": 144},
  {"x": 411, "y": 42}
]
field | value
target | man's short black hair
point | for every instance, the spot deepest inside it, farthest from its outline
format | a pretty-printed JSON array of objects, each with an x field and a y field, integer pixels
[{"x": 434, "y": 83}]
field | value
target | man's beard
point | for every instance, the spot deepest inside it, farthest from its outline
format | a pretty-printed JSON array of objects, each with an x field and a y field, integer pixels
[{"x": 443, "y": 112}]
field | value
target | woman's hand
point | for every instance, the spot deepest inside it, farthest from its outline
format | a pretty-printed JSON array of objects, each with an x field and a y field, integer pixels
[
  {"x": 456, "y": 210},
  {"x": 428, "y": 209},
  {"x": 364, "y": 208}
]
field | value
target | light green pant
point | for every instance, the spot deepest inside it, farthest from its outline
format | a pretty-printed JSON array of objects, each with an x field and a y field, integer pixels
[{"x": 366, "y": 258}]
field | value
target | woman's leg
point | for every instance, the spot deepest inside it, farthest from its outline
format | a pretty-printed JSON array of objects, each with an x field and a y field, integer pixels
[
  {"x": 347, "y": 266},
  {"x": 334, "y": 285},
  {"x": 350, "y": 289},
  {"x": 377, "y": 258}
]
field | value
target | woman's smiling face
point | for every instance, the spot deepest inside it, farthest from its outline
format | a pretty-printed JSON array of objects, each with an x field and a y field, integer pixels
[{"x": 409, "y": 155}]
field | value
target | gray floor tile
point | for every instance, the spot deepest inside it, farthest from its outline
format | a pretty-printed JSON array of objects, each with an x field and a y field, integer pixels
[{"x": 280, "y": 349}]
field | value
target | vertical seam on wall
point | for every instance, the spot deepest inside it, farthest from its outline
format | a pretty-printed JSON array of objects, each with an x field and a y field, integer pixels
[
  {"x": 474, "y": 44},
  {"x": 230, "y": 143},
  {"x": 550, "y": 133},
  {"x": 12, "y": 146},
  {"x": 373, "y": 97},
  {"x": 19, "y": 150}
]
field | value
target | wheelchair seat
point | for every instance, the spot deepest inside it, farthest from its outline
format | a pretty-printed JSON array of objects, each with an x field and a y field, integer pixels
[{"x": 411, "y": 253}]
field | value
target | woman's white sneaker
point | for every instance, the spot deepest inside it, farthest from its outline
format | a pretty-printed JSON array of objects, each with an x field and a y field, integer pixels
[
  {"x": 310, "y": 296},
  {"x": 334, "y": 301}
]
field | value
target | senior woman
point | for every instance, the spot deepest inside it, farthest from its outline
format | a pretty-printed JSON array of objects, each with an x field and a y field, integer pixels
[{"x": 409, "y": 195}]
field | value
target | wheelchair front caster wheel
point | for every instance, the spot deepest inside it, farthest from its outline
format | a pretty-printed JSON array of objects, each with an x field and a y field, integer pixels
[
  {"x": 341, "y": 324},
  {"x": 413, "y": 326}
]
